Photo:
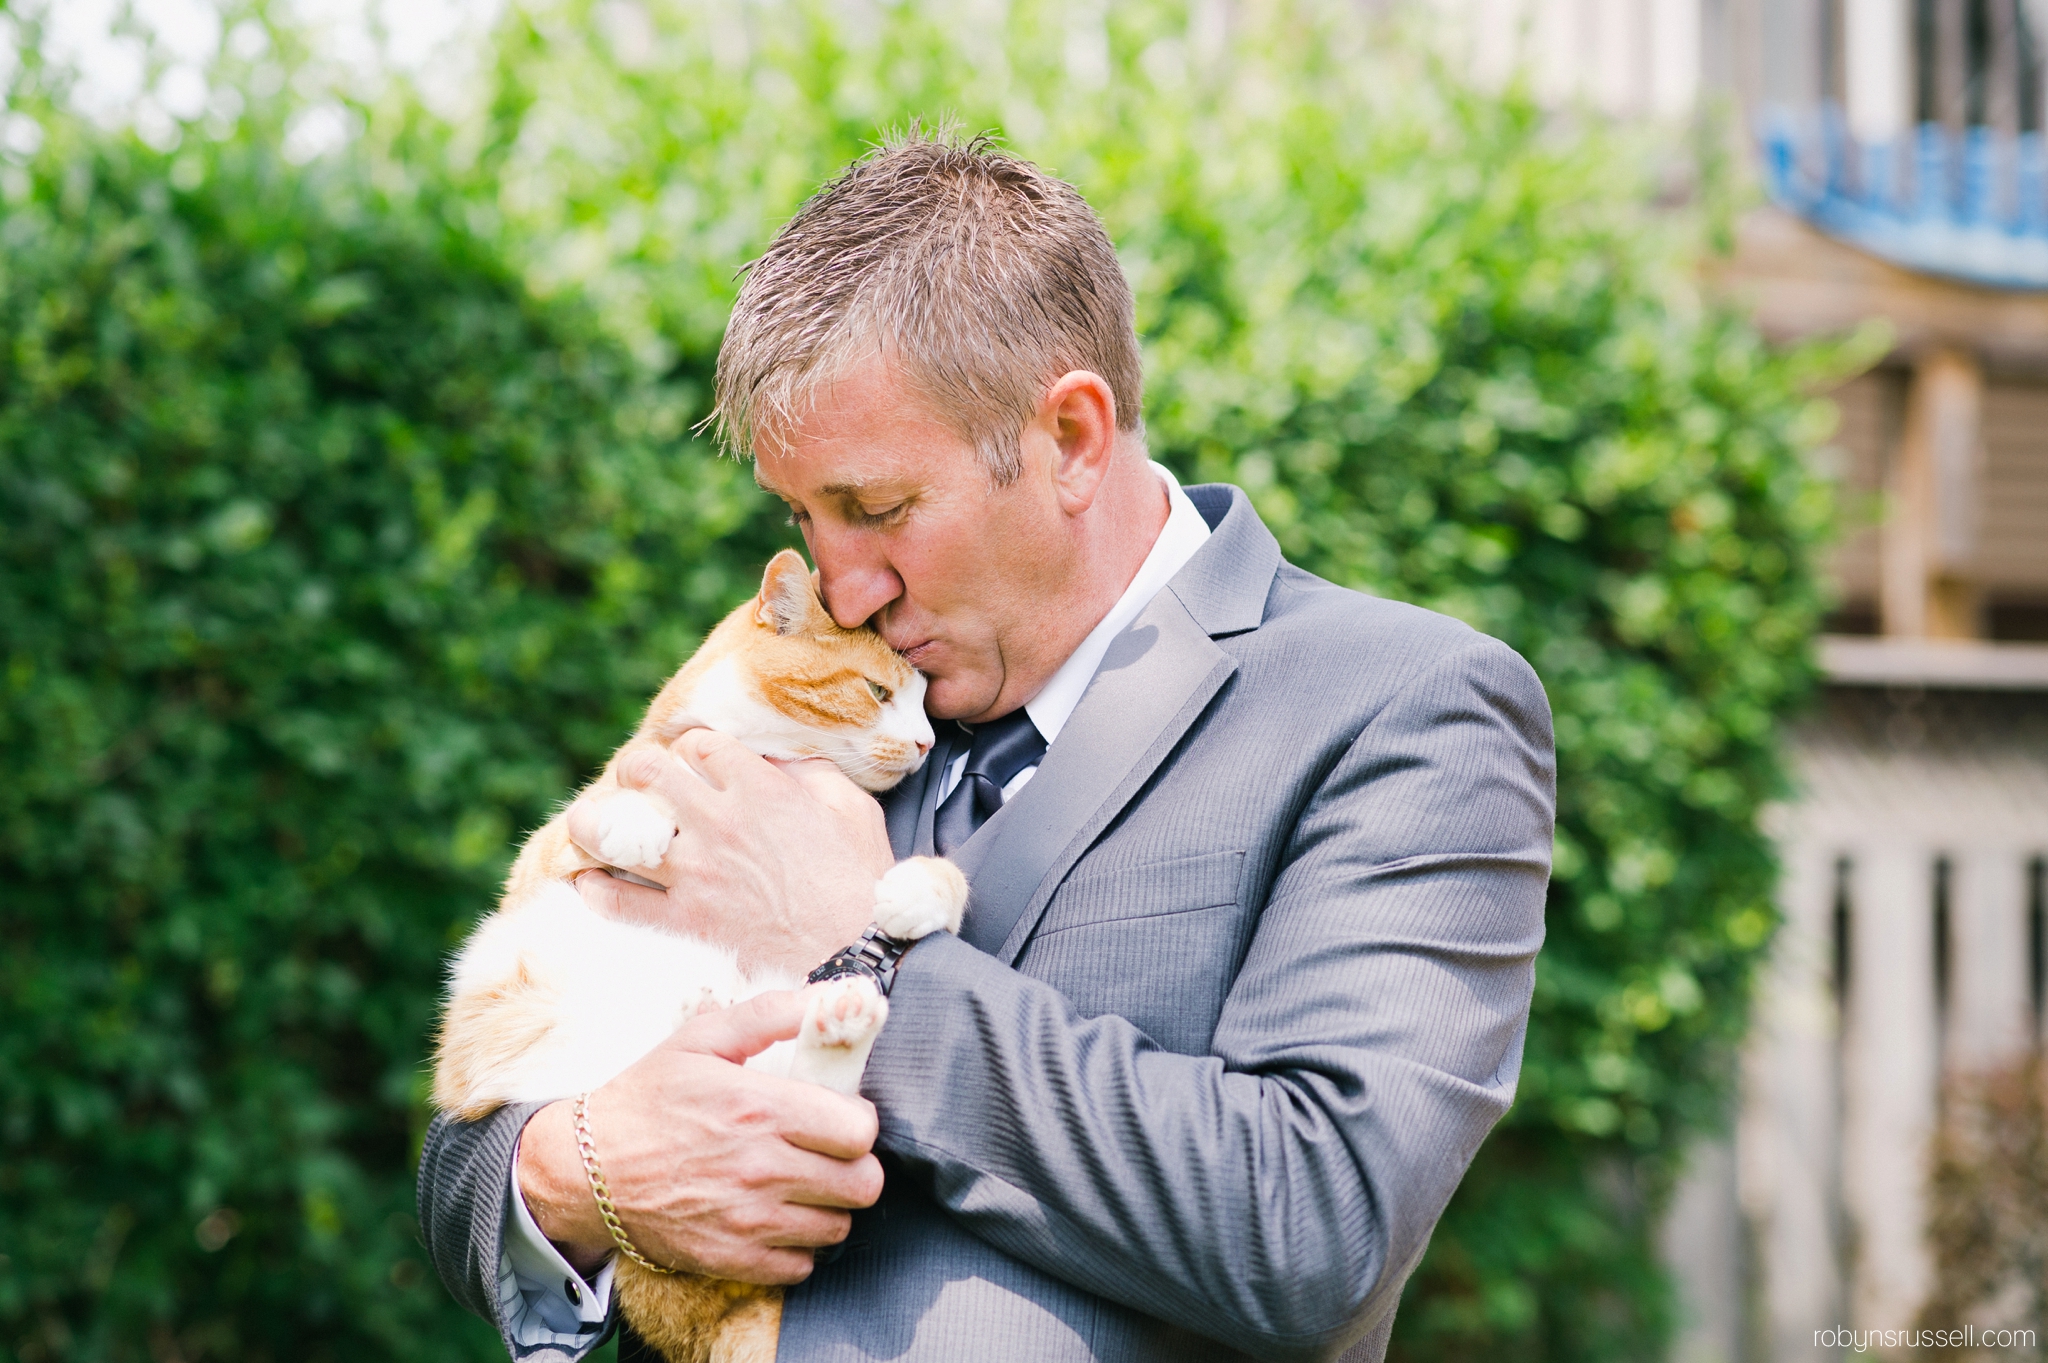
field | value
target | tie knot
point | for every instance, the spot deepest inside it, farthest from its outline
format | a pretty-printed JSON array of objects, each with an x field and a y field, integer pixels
[{"x": 1003, "y": 747}]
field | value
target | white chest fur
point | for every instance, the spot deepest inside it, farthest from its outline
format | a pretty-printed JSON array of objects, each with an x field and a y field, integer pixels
[{"x": 573, "y": 997}]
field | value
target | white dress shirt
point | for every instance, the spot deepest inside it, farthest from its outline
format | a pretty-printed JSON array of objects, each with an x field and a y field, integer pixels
[
  {"x": 1184, "y": 532},
  {"x": 543, "y": 1298}
]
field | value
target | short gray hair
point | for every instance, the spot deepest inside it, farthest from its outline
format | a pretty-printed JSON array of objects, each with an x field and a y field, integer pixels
[{"x": 980, "y": 275}]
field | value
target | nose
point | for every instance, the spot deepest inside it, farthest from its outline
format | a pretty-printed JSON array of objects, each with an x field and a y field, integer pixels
[
  {"x": 854, "y": 579},
  {"x": 924, "y": 746}
]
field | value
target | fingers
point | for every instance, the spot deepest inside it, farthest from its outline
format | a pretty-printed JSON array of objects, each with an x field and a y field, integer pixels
[
  {"x": 827, "y": 784},
  {"x": 622, "y": 899},
  {"x": 773, "y": 1268},
  {"x": 781, "y": 1253},
  {"x": 745, "y": 1029},
  {"x": 721, "y": 762},
  {"x": 849, "y": 1184},
  {"x": 586, "y": 823},
  {"x": 819, "y": 1120},
  {"x": 816, "y": 772},
  {"x": 778, "y": 1250},
  {"x": 726, "y": 1170},
  {"x": 808, "y": 1117},
  {"x": 811, "y": 1228},
  {"x": 662, "y": 773},
  {"x": 684, "y": 775}
]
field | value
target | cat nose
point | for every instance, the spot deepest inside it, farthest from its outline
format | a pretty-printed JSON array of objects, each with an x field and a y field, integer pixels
[{"x": 924, "y": 745}]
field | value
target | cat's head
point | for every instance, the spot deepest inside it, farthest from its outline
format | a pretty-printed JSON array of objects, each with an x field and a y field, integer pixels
[{"x": 788, "y": 682}]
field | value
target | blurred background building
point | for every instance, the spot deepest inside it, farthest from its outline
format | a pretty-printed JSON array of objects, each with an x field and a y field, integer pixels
[{"x": 1901, "y": 144}]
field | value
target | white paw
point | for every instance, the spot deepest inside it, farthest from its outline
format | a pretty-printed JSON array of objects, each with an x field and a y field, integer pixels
[
  {"x": 920, "y": 896},
  {"x": 843, "y": 1014},
  {"x": 632, "y": 832}
]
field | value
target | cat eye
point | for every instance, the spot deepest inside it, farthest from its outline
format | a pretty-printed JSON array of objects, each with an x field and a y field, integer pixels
[{"x": 881, "y": 692}]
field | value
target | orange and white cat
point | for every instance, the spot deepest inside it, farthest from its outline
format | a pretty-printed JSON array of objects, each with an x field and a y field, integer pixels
[{"x": 549, "y": 999}]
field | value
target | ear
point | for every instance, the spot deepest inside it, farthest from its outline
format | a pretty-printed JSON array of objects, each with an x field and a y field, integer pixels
[
  {"x": 788, "y": 601},
  {"x": 1078, "y": 420}
]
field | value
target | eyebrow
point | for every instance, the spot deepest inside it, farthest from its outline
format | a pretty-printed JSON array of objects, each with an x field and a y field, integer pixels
[{"x": 828, "y": 490}]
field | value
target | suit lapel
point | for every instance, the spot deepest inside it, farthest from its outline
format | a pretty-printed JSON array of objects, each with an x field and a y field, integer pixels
[
  {"x": 1157, "y": 678},
  {"x": 1154, "y": 683}
]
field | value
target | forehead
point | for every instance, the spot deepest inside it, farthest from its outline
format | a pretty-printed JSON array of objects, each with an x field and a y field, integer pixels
[{"x": 867, "y": 430}]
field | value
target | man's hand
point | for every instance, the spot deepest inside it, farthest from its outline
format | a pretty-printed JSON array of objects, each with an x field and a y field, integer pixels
[
  {"x": 713, "y": 1168},
  {"x": 778, "y": 861}
]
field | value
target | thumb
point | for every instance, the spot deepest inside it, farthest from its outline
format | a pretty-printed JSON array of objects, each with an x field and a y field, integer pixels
[{"x": 745, "y": 1029}]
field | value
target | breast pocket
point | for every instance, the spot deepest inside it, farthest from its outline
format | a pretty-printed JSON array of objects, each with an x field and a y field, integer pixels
[{"x": 1157, "y": 943}]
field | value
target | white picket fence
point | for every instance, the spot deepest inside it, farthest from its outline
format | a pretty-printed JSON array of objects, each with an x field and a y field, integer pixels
[{"x": 1911, "y": 950}]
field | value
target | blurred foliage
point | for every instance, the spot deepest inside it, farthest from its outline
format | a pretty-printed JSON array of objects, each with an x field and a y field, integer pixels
[
  {"x": 331, "y": 558},
  {"x": 1987, "y": 1222},
  {"x": 357, "y": 515}
]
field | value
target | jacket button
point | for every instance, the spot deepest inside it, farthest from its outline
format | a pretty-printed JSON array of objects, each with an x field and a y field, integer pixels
[{"x": 575, "y": 1292}]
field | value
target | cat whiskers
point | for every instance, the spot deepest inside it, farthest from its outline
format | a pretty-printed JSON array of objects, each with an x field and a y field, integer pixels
[{"x": 857, "y": 765}]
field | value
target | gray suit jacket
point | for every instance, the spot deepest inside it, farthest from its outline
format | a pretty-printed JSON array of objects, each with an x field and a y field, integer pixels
[{"x": 1243, "y": 984}]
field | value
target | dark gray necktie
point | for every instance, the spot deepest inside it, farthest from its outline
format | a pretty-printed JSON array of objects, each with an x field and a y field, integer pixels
[{"x": 1002, "y": 748}]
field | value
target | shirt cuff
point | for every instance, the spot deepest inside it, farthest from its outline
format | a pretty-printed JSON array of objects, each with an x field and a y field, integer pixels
[{"x": 542, "y": 1300}]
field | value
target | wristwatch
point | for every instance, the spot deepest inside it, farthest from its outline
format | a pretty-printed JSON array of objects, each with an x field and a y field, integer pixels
[{"x": 874, "y": 956}]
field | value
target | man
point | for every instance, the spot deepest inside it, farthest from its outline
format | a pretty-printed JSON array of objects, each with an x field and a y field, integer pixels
[{"x": 1257, "y": 864}]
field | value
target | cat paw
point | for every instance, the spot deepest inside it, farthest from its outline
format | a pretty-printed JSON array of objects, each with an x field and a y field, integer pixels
[
  {"x": 920, "y": 896},
  {"x": 707, "y": 1001},
  {"x": 842, "y": 1018},
  {"x": 632, "y": 832},
  {"x": 843, "y": 1014}
]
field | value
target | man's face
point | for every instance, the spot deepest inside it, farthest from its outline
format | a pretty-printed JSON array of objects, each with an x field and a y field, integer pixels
[{"x": 968, "y": 580}]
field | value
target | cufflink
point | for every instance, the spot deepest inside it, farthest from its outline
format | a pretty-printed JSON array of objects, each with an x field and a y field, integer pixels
[{"x": 575, "y": 1292}]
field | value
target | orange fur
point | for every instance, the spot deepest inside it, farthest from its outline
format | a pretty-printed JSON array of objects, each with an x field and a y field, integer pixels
[
  {"x": 816, "y": 674},
  {"x": 478, "y": 1028},
  {"x": 685, "y": 1317},
  {"x": 784, "y": 678}
]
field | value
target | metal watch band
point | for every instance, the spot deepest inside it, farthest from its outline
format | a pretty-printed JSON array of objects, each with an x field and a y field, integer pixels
[{"x": 875, "y": 956}]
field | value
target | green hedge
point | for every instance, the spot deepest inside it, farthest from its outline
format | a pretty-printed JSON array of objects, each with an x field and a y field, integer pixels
[
  {"x": 330, "y": 560},
  {"x": 351, "y": 513}
]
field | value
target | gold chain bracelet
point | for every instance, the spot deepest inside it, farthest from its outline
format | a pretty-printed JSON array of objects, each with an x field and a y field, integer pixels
[{"x": 605, "y": 1209}]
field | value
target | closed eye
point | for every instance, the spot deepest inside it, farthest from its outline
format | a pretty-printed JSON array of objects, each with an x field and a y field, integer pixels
[{"x": 880, "y": 692}]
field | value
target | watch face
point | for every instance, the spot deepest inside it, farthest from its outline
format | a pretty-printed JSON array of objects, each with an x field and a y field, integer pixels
[{"x": 844, "y": 964}]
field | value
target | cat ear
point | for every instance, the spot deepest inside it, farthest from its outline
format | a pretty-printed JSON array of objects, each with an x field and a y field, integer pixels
[{"x": 788, "y": 601}]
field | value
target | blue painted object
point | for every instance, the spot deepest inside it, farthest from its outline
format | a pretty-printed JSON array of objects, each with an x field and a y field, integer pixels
[{"x": 1969, "y": 207}]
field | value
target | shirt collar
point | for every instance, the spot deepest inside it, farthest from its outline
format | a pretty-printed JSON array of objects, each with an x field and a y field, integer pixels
[{"x": 1184, "y": 532}]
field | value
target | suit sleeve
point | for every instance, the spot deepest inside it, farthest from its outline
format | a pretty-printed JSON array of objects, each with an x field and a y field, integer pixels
[
  {"x": 469, "y": 1223},
  {"x": 1274, "y": 1194}
]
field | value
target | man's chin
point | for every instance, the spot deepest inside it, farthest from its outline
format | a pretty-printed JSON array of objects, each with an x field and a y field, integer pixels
[{"x": 956, "y": 698}]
